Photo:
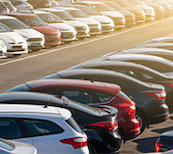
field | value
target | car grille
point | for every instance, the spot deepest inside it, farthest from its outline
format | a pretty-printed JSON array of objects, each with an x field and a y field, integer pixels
[
  {"x": 51, "y": 35},
  {"x": 129, "y": 19},
  {"x": 118, "y": 21},
  {"x": 80, "y": 28},
  {"x": 93, "y": 25},
  {"x": 67, "y": 35},
  {"x": 107, "y": 27},
  {"x": 106, "y": 23},
  {"x": 81, "y": 33},
  {"x": 52, "y": 40},
  {"x": 34, "y": 39}
]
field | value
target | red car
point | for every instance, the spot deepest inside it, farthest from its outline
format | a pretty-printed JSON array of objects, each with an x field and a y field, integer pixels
[
  {"x": 52, "y": 36},
  {"x": 91, "y": 93}
]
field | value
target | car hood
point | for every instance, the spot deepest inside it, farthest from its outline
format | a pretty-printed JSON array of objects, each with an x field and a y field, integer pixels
[
  {"x": 11, "y": 37},
  {"x": 126, "y": 12},
  {"x": 155, "y": 86},
  {"x": 75, "y": 23},
  {"x": 134, "y": 10},
  {"x": 61, "y": 26},
  {"x": 112, "y": 14},
  {"x": 45, "y": 29},
  {"x": 144, "y": 6},
  {"x": 88, "y": 20},
  {"x": 101, "y": 18},
  {"x": 29, "y": 33}
]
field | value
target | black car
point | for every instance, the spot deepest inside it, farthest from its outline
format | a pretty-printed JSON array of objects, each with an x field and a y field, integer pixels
[
  {"x": 149, "y": 97},
  {"x": 137, "y": 71},
  {"x": 100, "y": 124}
]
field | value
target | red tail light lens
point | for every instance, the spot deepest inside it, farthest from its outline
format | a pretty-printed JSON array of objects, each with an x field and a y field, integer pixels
[
  {"x": 169, "y": 84},
  {"x": 77, "y": 142},
  {"x": 158, "y": 146},
  {"x": 110, "y": 125},
  {"x": 55, "y": 3},
  {"x": 5, "y": 10},
  {"x": 158, "y": 95},
  {"x": 47, "y": 4},
  {"x": 30, "y": 7}
]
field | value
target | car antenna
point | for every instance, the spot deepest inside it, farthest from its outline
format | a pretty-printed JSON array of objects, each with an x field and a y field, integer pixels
[
  {"x": 92, "y": 80},
  {"x": 46, "y": 105}
]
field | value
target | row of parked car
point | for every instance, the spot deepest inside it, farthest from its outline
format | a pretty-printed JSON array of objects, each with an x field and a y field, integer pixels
[{"x": 27, "y": 26}]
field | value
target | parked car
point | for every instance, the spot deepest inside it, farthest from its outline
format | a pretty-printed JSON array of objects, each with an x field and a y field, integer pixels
[
  {"x": 52, "y": 36},
  {"x": 15, "y": 43},
  {"x": 81, "y": 28},
  {"x": 164, "y": 142},
  {"x": 152, "y": 94},
  {"x": 3, "y": 49},
  {"x": 107, "y": 24},
  {"x": 139, "y": 13},
  {"x": 12, "y": 147},
  {"x": 93, "y": 94},
  {"x": 137, "y": 71},
  {"x": 118, "y": 18},
  {"x": 10, "y": 6},
  {"x": 100, "y": 124},
  {"x": 68, "y": 33},
  {"x": 21, "y": 5},
  {"x": 43, "y": 3},
  {"x": 3, "y": 8},
  {"x": 35, "y": 40},
  {"x": 41, "y": 127},
  {"x": 94, "y": 25},
  {"x": 159, "y": 10},
  {"x": 129, "y": 16}
]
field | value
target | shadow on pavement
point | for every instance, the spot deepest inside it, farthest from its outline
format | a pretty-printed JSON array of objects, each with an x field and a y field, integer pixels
[
  {"x": 162, "y": 130},
  {"x": 146, "y": 145}
]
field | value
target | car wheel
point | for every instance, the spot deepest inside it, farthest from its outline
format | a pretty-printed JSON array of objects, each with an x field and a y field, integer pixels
[
  {"x": 142, "y": 121},
  {"x": 91, "y": 149}
]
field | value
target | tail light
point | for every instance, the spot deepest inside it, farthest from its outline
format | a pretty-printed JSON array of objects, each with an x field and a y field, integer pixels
[
  {"x": 158, "y": 146},
  {"x": 76, "y": 142},
  {"x": 48, "y": 4},
  {"x": 30, "y": 7},
  {"x": 110, "y": 125},
  {"x": 5, "y": 10},
  {"x": 55, "y": 3},
  {"x": 158, "y": 95},
  {"x": 169, "y": 84}
]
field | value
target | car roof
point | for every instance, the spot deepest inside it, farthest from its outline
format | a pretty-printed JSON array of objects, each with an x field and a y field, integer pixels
[
  {"x": 20, "y": 14},
  {"x": 40, "y": 12},
  {"x": 163, "y": 38},
  {"x": 108, "y": 88},
  {"x": 90, "y": 2},
  {"x": 51, "y": 9},
  {"x": 67, "y": 8},
  {"x": 6, "y": 17}
]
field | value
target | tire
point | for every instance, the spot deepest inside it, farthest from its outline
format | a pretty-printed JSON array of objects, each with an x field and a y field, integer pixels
[
  {"x": 142, "y": 121},
  {"x": 91, "y": 149}
]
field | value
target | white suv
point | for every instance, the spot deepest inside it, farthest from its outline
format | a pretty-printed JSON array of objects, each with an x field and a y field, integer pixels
[{"x": 51, "y": 130}]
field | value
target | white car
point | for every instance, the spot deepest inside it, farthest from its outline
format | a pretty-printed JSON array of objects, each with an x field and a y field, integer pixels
[
  {"x": 12, "y": 147},
  {"x": 3, "y": 49},
  {"x": 81, "y": 28},
  {"x": 68, "y": 33},
  {"x": 104, "y": 9},
  {"x": 107, "y": 24},
  {"x": 15, "y": 43},
  {"x": 94, "y": 25},
  {"x": 51, "y": 130},
  {"x": 21, "y": 4},
  {"x": 149, "y": 11},
  {"x": 35, "y": 39}
]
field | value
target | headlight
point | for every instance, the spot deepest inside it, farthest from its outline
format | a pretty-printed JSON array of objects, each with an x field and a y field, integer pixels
[
  {"x": 2, "y": 43},
  {"x": 161, "y": 8},
  {"x": 99, "y": 26},
  {"x": 87, "y": 29}
]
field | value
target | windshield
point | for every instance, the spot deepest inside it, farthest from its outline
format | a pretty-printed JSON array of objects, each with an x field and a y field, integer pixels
[
  {"x": 89, "y": 11},
  {"x": 77, "y": 13},
  {"x": 143, "y": 44},
  {"x": 50, "y": 18},
  {"x": 114, "y": 6},
  {"x": 64, "y": 15},
  {"x": 14, "y": 24},
  {"x": 101, "y": 7},
  {"x": 124, "y": 3},
  {"x": 136, "y": 2},
  {"x": 33, "y": 21},
  {"x": 4, "y": 28}
]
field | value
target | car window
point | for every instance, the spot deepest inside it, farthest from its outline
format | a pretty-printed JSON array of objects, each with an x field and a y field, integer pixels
[
  {"x": 103, "y": 97},
  {"x": 128, "y": 72},
  {"x": 16, "y": 2},
  {"x": 79, "y": 96},
  {"x": 147, "y": 76},
  {"x": 42, "y": 127},
  {"x": 9, "y": 129}
]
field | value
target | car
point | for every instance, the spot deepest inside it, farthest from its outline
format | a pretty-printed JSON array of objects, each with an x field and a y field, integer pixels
[
  {"x": 15, "y": 43},
  {"x": 169, "y": 2},
  {"x": 3, "y": 49},
  {"x": 12, "y": 147},
  {"x": 3, "y": 8},
  {"x": 149, "y": 11},
  {"x": 129, "y": 16},
  {"x": 42, "y": 126},
  {"x": 159, "y": 10},
  {"x": 52, "y": 36},
  {"x": 81, "y": 28},
  {"x": 107, "y": 24},
  {"x": 164, "y": 142},
  {"x": 150, "y": 93},
  {"x": 93, "y": 94},
  {"x": 21, "y": 5},
  {"x": 94, "y": 25},
  {"x": 100, "y": 124},
  {"x": 43, "y": 3},
  {"x": 137, "y": 71},
  {"x": 160, "y": 42},
  {"x": 10, "y": 6},
  {"x": 35, "y": 40},
  {"x": 157, "y": 63},
  {"x": 68, "y": 33},
  {"x": 118, "y": 18},
  {"x": 139, "y": 13}
]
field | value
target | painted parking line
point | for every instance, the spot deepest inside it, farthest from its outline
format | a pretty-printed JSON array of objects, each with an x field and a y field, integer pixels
[{"x": 82, "y": 43}]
